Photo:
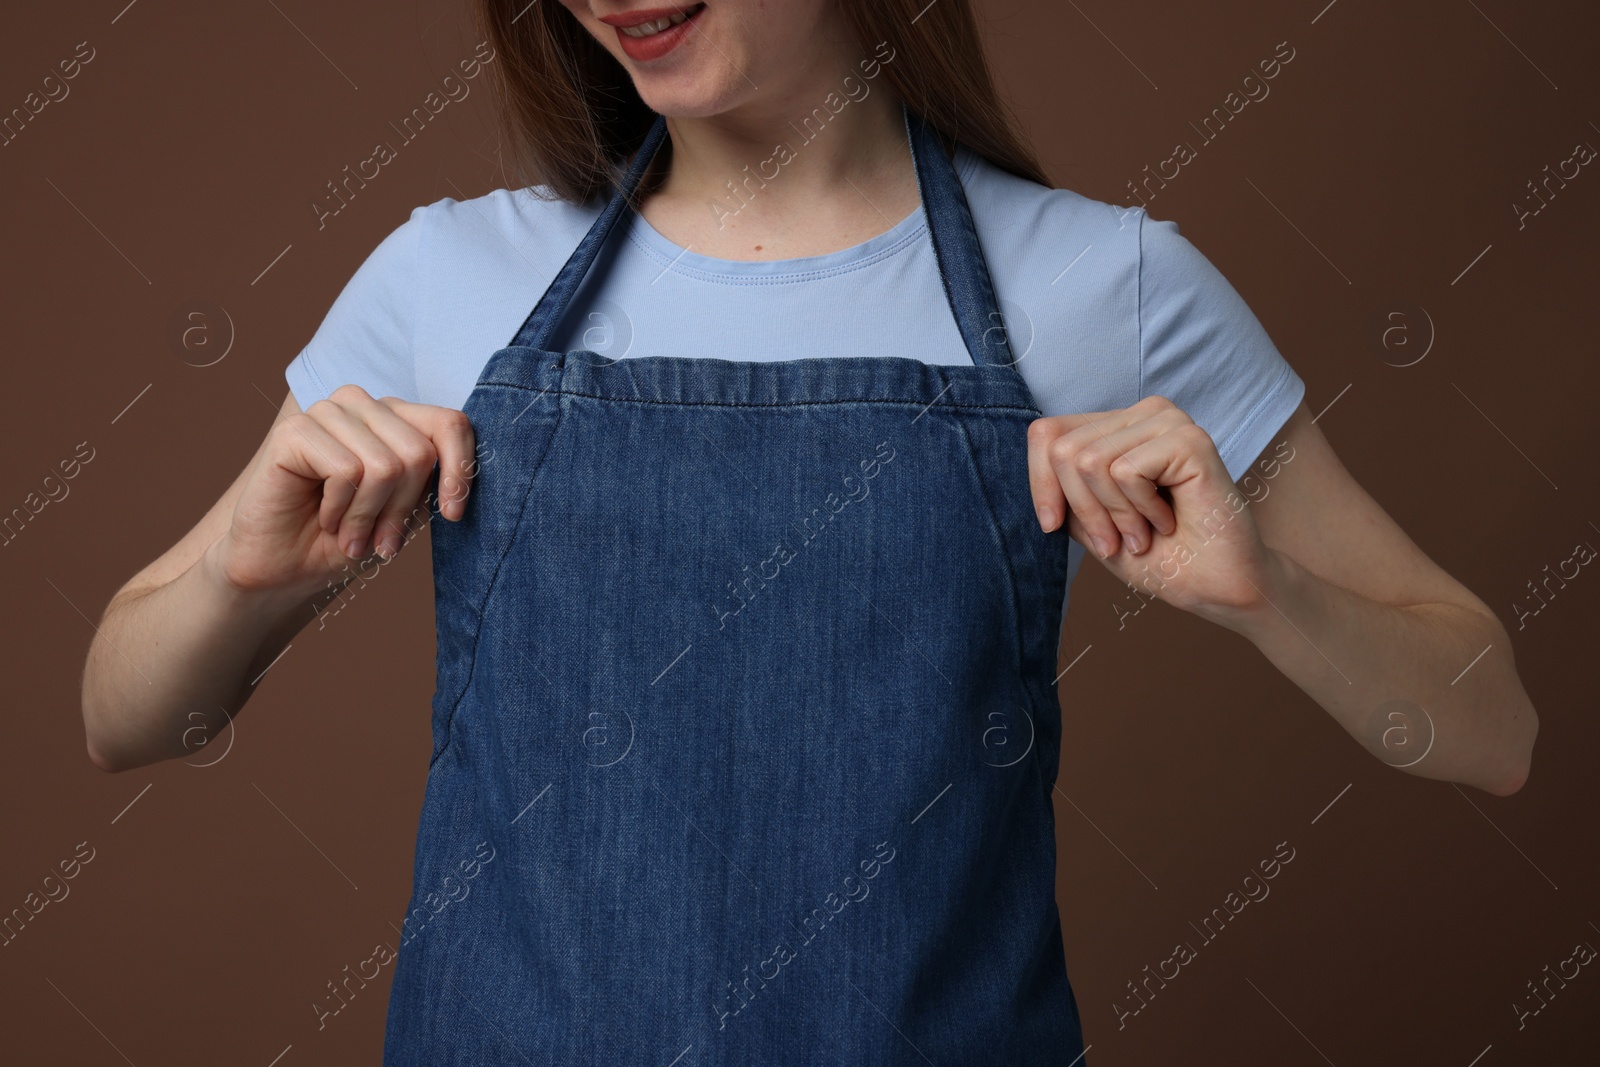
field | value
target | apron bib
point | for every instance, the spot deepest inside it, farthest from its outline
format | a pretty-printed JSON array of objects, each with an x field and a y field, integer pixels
[{"x": 745, "y": 723}]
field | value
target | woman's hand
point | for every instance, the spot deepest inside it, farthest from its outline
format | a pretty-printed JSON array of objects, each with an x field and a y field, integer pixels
[
  {"x": 339, "y": 481},
  {"x": 1148, "y": 485}
]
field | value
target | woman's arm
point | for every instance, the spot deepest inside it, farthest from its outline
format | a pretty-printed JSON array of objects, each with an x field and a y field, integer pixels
[
  {"x": 176, "y": 644},
  {"x": 1402, "y": 655},
  {"x": 181, "y": 646},
  {"x": 1307, "y": 566}
]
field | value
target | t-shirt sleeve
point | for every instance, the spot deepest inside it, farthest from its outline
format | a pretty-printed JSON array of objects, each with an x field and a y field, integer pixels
[
  {"x": 366, "y": 337},
  {"x": 1204, "y": 349}
]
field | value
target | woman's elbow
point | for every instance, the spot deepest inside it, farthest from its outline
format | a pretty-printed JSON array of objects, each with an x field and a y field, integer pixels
[{"x": 1516, "y": 776}]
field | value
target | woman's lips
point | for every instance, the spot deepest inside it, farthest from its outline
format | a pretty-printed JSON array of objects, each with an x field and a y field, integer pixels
[{"x": 657, "y": 44}]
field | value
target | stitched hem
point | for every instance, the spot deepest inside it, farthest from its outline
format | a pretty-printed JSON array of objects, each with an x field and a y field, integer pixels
[
  {"x": 1031, "y": 412},
  {"x": 1251, "y": 427},
  {"x": 301, "y": 372}
]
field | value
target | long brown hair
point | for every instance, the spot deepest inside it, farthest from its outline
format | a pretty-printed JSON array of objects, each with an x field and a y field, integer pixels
[{"x": 570, "y": 114}]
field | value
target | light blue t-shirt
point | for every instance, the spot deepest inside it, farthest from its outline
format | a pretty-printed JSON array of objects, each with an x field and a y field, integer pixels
[{"x": 1103, "y": 304}]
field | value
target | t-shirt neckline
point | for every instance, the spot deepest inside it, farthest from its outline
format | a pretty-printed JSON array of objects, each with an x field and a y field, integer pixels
[{"x": 687, "y": 261}]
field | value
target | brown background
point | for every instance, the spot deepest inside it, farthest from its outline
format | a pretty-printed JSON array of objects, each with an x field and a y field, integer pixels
[{"x": 219, "y": 904}]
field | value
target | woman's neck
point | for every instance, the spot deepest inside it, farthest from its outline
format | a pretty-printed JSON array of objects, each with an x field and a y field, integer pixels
[{"x": 789, "y": 181}]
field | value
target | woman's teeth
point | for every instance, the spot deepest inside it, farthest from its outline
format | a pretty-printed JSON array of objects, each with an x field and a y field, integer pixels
[{"x": 650, "y": 29}]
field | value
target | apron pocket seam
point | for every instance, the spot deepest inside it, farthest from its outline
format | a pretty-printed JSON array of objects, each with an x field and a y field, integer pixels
[{"x": 488, "y": 593}]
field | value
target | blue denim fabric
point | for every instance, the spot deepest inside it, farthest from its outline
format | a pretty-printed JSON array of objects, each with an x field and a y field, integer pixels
[{"x": 746, "y": 692}]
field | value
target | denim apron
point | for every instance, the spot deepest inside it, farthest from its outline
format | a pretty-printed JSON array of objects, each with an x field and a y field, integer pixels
[{"x": 745, "y": 724}]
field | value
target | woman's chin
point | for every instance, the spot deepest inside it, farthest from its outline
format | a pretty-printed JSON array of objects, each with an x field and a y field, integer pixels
[
  {"x": 681, "y": 101},
  {"x": 692, "y": 92}
]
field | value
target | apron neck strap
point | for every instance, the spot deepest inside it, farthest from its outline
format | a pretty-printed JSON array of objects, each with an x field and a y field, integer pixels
[{"x": 964, "y": 272}]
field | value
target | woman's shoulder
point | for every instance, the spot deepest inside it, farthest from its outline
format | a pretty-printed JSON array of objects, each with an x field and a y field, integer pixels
[
  {"x": 1053, "y": 248},
  {"x": 527, "y": 225},
  {"x": 1129, "y": 308},
  {"x": 1008, "y": 205},
  {"x": 1063, "y": 262},
  {"x": 1041, "y": 238}
]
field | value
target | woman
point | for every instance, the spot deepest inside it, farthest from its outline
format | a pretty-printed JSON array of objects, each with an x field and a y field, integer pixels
[{"x": 756, "y": 541}]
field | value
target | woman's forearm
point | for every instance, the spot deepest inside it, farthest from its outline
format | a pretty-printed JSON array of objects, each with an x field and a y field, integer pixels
[
  {"x": 1430, "y": 688},
  {"x": 169, "y": 667}
]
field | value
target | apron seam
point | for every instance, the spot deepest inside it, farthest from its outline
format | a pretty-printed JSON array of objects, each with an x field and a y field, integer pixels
[
  {"x": 516, "y": 529},
  {"x": 1020, "y": 643},
  {"x": 1013, "y": 599},
  {"x": 1030, "y": 411}
]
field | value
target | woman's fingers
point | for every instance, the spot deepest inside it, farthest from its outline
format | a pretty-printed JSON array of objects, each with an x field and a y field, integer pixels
[
  {"x": 1101, "y": 466},
  {"x": 1050, "y": 440},
  {"x": 395, "y": 444},
  {"x": 1053, "y": 446},
  {"x": 1094, "y": 498},
  {"x": 415, "y": 453},
  {"x": 381, "y": 469},
  {"x": 1137, "y": 472},
  {"x": 1048, "y": 500},
  {"x": 1124, "y": 468},
  {"x": 317, "y": 455},
  {"x": 454, "y": 444}
]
